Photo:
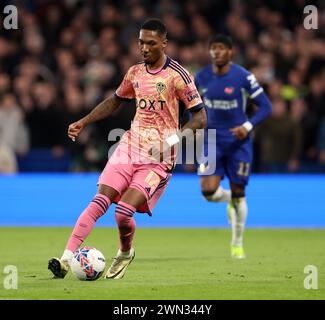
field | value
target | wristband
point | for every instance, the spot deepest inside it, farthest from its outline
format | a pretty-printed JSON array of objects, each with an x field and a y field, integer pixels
[
  {"x": 248, "y": 126},
  {"x": 172, "y": 140}
]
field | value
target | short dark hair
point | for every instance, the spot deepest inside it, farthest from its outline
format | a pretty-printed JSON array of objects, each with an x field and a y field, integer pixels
[
  {"x": 155, "y": 25},
  {"x": 221, "y": 38}
]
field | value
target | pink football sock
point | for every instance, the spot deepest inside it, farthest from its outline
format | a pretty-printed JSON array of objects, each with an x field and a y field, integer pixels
[
  {"x": 97, "y": 207},
  {"x": 126, "y": 224}
]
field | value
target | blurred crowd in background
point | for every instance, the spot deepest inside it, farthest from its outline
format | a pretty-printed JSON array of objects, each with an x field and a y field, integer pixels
[{"x": 68, "y": 55}]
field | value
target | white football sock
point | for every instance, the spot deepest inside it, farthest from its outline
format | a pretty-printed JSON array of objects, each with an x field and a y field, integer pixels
[
  {"x": 67, "y": 256},
  {"x": 238, "y": 220},
  {"x": 221, "y": 195}
]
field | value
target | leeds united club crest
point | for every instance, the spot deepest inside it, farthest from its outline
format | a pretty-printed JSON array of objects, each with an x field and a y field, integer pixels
[{"x": 161, "y": 87}]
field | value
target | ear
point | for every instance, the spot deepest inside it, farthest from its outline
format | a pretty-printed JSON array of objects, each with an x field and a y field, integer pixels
[
  {"x": 231, "y": 53},
  {"x": 165, "y": 42}
]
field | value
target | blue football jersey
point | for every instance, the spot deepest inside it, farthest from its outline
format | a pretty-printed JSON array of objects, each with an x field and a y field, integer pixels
[{"x": 225, "y": 97}]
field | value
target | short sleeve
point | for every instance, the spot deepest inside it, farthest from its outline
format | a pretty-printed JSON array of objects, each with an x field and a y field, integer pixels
[
  {"x": 252, "y": 86},
  {"x": 126, "y": 90},
  {"x": 187, "y": 92}
]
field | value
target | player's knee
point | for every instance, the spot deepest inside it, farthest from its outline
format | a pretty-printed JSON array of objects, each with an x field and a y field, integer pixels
[
  {"x": 207, "y": 194},
  {"x": 108, "y": 192},
  {"x": 237, "y": 190},
  {"x": 210, "y": 195},
  {"x": 238, "y": 193}
]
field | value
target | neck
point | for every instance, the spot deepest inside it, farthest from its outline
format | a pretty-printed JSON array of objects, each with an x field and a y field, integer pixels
[
  {"x": 221, "y": 70},
  {"x": 158, "y": 64}
]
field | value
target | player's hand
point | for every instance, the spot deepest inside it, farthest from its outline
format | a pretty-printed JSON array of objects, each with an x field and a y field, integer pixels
[
  {"x": 74, "y": 129},
  {"x": 239, "y": 132},
  {"x": 158, "y": 150}
]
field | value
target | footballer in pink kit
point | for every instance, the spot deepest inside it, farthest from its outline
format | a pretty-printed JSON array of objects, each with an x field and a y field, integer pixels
[{"x": 139, "y": 170}]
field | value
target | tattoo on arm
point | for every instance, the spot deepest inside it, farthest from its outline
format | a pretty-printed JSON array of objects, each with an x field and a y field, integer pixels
[
  {"x": 198, "y": 121},
  {"x": 103, "y": 110},
  {"x": 195, "y": 125}
]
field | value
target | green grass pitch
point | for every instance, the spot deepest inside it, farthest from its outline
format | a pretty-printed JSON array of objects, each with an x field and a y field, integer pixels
[{"x": 184, "y": 264}]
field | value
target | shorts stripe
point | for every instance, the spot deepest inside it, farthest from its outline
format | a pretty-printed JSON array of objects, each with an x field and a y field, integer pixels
[
  {"x": 163, "y": 181},
  {"x": 161, "y": 184}
]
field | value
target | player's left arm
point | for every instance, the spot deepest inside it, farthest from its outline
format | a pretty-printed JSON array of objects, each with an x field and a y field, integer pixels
[
  {"x": 189, "y": 95},
  {"x": 261, "y": 101},
  {"x": 263, "y": 110},
  {"x": 197, "y": 121}
]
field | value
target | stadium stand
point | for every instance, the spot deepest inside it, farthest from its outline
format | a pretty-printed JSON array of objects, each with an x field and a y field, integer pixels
[{"x": 66, "y": 56}]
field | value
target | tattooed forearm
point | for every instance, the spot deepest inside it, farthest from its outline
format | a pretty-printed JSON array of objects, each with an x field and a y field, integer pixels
[
  {"x": 102, "y": 110},
  {"x": 198, "y": 121}
]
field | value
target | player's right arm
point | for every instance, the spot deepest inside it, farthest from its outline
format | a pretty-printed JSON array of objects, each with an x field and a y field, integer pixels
[{"x": 103, "y": 110}]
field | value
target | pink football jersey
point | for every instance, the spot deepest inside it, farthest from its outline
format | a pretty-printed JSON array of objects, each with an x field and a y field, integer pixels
[{"x": 157, "y": 94}]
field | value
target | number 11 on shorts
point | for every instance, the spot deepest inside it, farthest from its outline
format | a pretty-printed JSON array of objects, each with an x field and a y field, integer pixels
[{"x": 243, "y": 169}]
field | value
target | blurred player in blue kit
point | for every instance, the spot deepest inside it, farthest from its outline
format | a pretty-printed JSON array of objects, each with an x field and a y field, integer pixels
[{"x": 226, "y": 88}]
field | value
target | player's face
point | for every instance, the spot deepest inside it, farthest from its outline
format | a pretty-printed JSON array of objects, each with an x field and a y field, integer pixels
[
  {"x": 220, "y": 54},
  {"x": 151, "y": 45}
]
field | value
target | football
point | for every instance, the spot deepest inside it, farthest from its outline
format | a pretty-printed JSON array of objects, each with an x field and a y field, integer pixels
[{"x": 88, "y": 263}]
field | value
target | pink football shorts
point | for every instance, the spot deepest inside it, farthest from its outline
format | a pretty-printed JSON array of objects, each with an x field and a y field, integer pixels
[{"x": 121, "y": 173}]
